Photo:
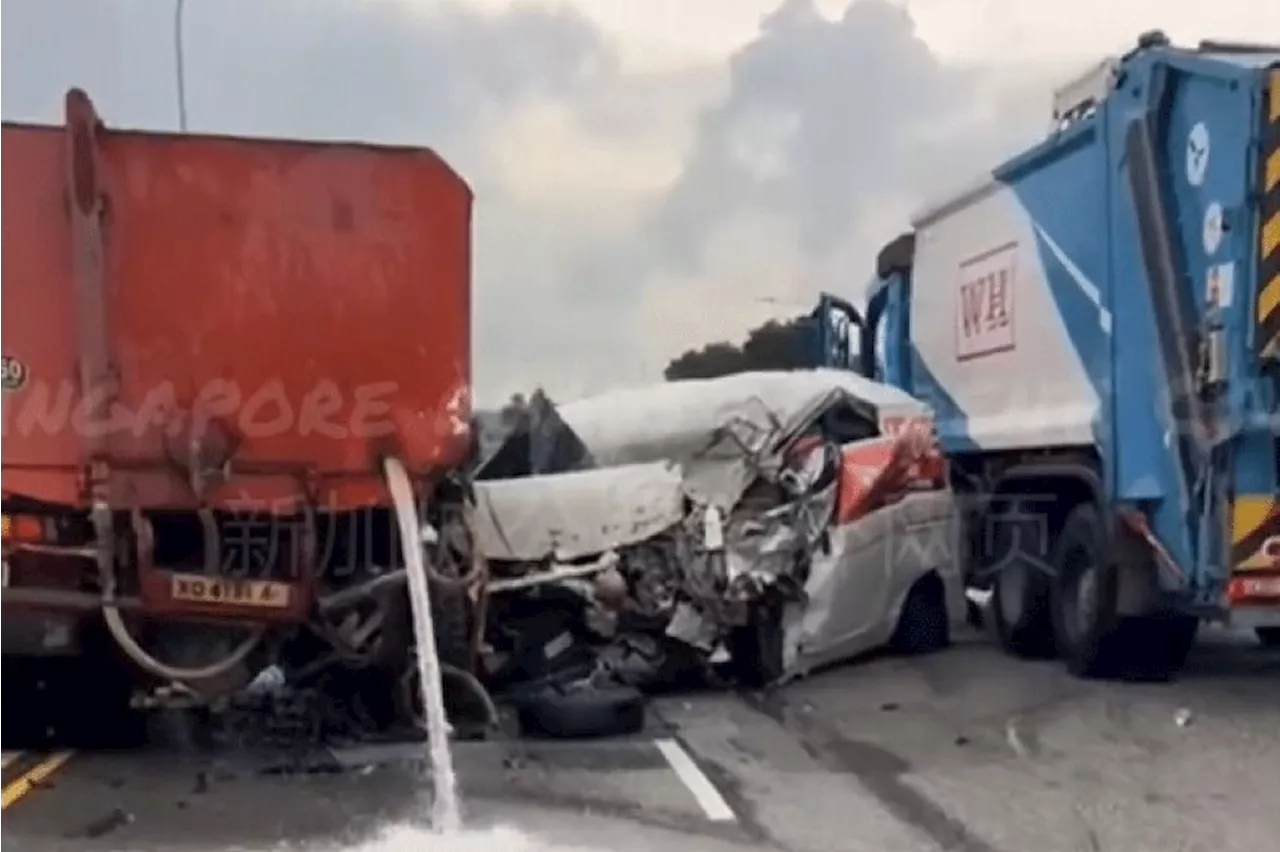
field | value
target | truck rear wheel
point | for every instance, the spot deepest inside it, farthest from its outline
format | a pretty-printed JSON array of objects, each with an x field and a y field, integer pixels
[
  {"x": 1020, "y": 607},
  {"x": 1162, "y": 643},
  {"x": 1020, "y": 593},
  {"x": 1084, "y": 596}
]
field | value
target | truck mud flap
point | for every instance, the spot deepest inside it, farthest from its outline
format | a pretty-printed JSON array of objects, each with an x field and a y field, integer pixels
[{"x": 1170, "y": 298}]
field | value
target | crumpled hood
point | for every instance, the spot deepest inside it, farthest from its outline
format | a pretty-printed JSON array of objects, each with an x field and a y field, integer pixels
[{"x": 567, "y": 516}]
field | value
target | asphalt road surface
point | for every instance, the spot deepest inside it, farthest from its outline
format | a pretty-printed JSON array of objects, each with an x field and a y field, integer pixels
[{"x": 966, "y": 750}]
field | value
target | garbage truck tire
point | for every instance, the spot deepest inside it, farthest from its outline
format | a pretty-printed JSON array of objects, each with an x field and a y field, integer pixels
[
  {"x": 1159, "y": 645},
  {"x": 1020, "y": 591},
  {"x": 1268, "y": 636},
  {"x": 1084, "y": 603}
]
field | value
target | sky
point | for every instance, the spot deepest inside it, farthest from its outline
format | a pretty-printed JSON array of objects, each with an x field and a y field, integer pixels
[{"x": 650, "y": 175}]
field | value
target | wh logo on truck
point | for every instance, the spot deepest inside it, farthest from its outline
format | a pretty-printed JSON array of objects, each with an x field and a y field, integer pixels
[{"x": 984, "y": 303}]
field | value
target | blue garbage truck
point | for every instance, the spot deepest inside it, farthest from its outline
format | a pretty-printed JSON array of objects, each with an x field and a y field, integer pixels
[{"x": 1096, "y": 325}]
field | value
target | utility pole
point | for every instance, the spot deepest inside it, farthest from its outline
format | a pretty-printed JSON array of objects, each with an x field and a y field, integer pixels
[{"x": 178, "y": 9}]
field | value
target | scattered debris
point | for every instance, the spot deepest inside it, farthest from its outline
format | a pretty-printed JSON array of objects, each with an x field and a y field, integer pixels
[
  {"x": 1014, "y": 737},
  {"x": 106, "y": 824},
  {"x": 1183, "y": 717}
]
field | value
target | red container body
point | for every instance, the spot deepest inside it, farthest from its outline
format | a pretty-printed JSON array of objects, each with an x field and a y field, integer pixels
[{"x": 271, "y": 318}]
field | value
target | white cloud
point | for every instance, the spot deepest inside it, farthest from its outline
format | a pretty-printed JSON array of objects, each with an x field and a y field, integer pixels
[{"x": 649, "y": 175}]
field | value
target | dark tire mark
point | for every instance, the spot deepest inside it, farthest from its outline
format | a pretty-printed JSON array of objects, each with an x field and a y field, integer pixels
[
  {"x": 730, "y": 788},
  {"x": 879, "y": 770}
]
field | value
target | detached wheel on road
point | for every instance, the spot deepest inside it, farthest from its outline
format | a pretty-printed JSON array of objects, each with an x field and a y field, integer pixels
[
  {"x": 1021, "y": 593},
  {"x": 582, "y": 711},
  {"x": 1084, "y": 597}
]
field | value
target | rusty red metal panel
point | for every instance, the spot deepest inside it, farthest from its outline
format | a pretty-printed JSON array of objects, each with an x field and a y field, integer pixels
[{"x": 278, "y": 315}]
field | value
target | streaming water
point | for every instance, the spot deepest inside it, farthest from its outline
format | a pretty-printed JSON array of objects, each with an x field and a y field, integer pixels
[
  {"x": 497, "y": 839},
  {"x": 446, "y": 811}
]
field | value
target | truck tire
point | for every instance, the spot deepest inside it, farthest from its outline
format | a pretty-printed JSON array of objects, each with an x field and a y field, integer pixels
[
  {"x": 1020, "y": 597},
  {"x": 1084, "y": 597},
  {"x": 1163, "y": 645},
  {"x": 1020, "y": 609}
]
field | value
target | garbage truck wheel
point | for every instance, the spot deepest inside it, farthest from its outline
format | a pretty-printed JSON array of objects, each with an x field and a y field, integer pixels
[
  {"x": 1020, "y": 609},
  {"x": 1084, "y": 599},
  {"x": 1021, "y": 589},
  {"x": 1157, "y": 646}
]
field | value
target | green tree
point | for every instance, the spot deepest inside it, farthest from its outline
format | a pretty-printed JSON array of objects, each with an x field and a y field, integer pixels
[{"x": 776, "y": 345}]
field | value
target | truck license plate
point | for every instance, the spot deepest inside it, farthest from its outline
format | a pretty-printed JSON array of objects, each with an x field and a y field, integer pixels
[
  {"x": 1260, "y": 587},
  {"x": 213, "y": 590}
]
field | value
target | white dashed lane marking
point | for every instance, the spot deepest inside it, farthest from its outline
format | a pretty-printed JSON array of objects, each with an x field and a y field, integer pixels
[{"x": 703, "y": 790}]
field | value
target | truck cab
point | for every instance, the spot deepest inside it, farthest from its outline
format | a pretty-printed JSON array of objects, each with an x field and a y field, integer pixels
[{"x": 1096, "y": 325}]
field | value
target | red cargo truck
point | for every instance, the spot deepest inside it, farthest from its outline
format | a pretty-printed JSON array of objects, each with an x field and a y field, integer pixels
[{"x": 210, "y": 344}]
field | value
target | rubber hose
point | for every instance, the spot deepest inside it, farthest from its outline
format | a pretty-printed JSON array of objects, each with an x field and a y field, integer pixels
[{"x": 187, "y": 676}]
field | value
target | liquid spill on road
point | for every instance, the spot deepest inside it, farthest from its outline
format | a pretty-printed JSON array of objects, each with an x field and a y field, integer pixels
[
  {"x": 446, "y": 812},
  {"x": 506, "y": 839}
]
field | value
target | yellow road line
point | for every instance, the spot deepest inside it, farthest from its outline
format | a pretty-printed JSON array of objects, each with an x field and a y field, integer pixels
[{"x": 32, "y": 778}]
